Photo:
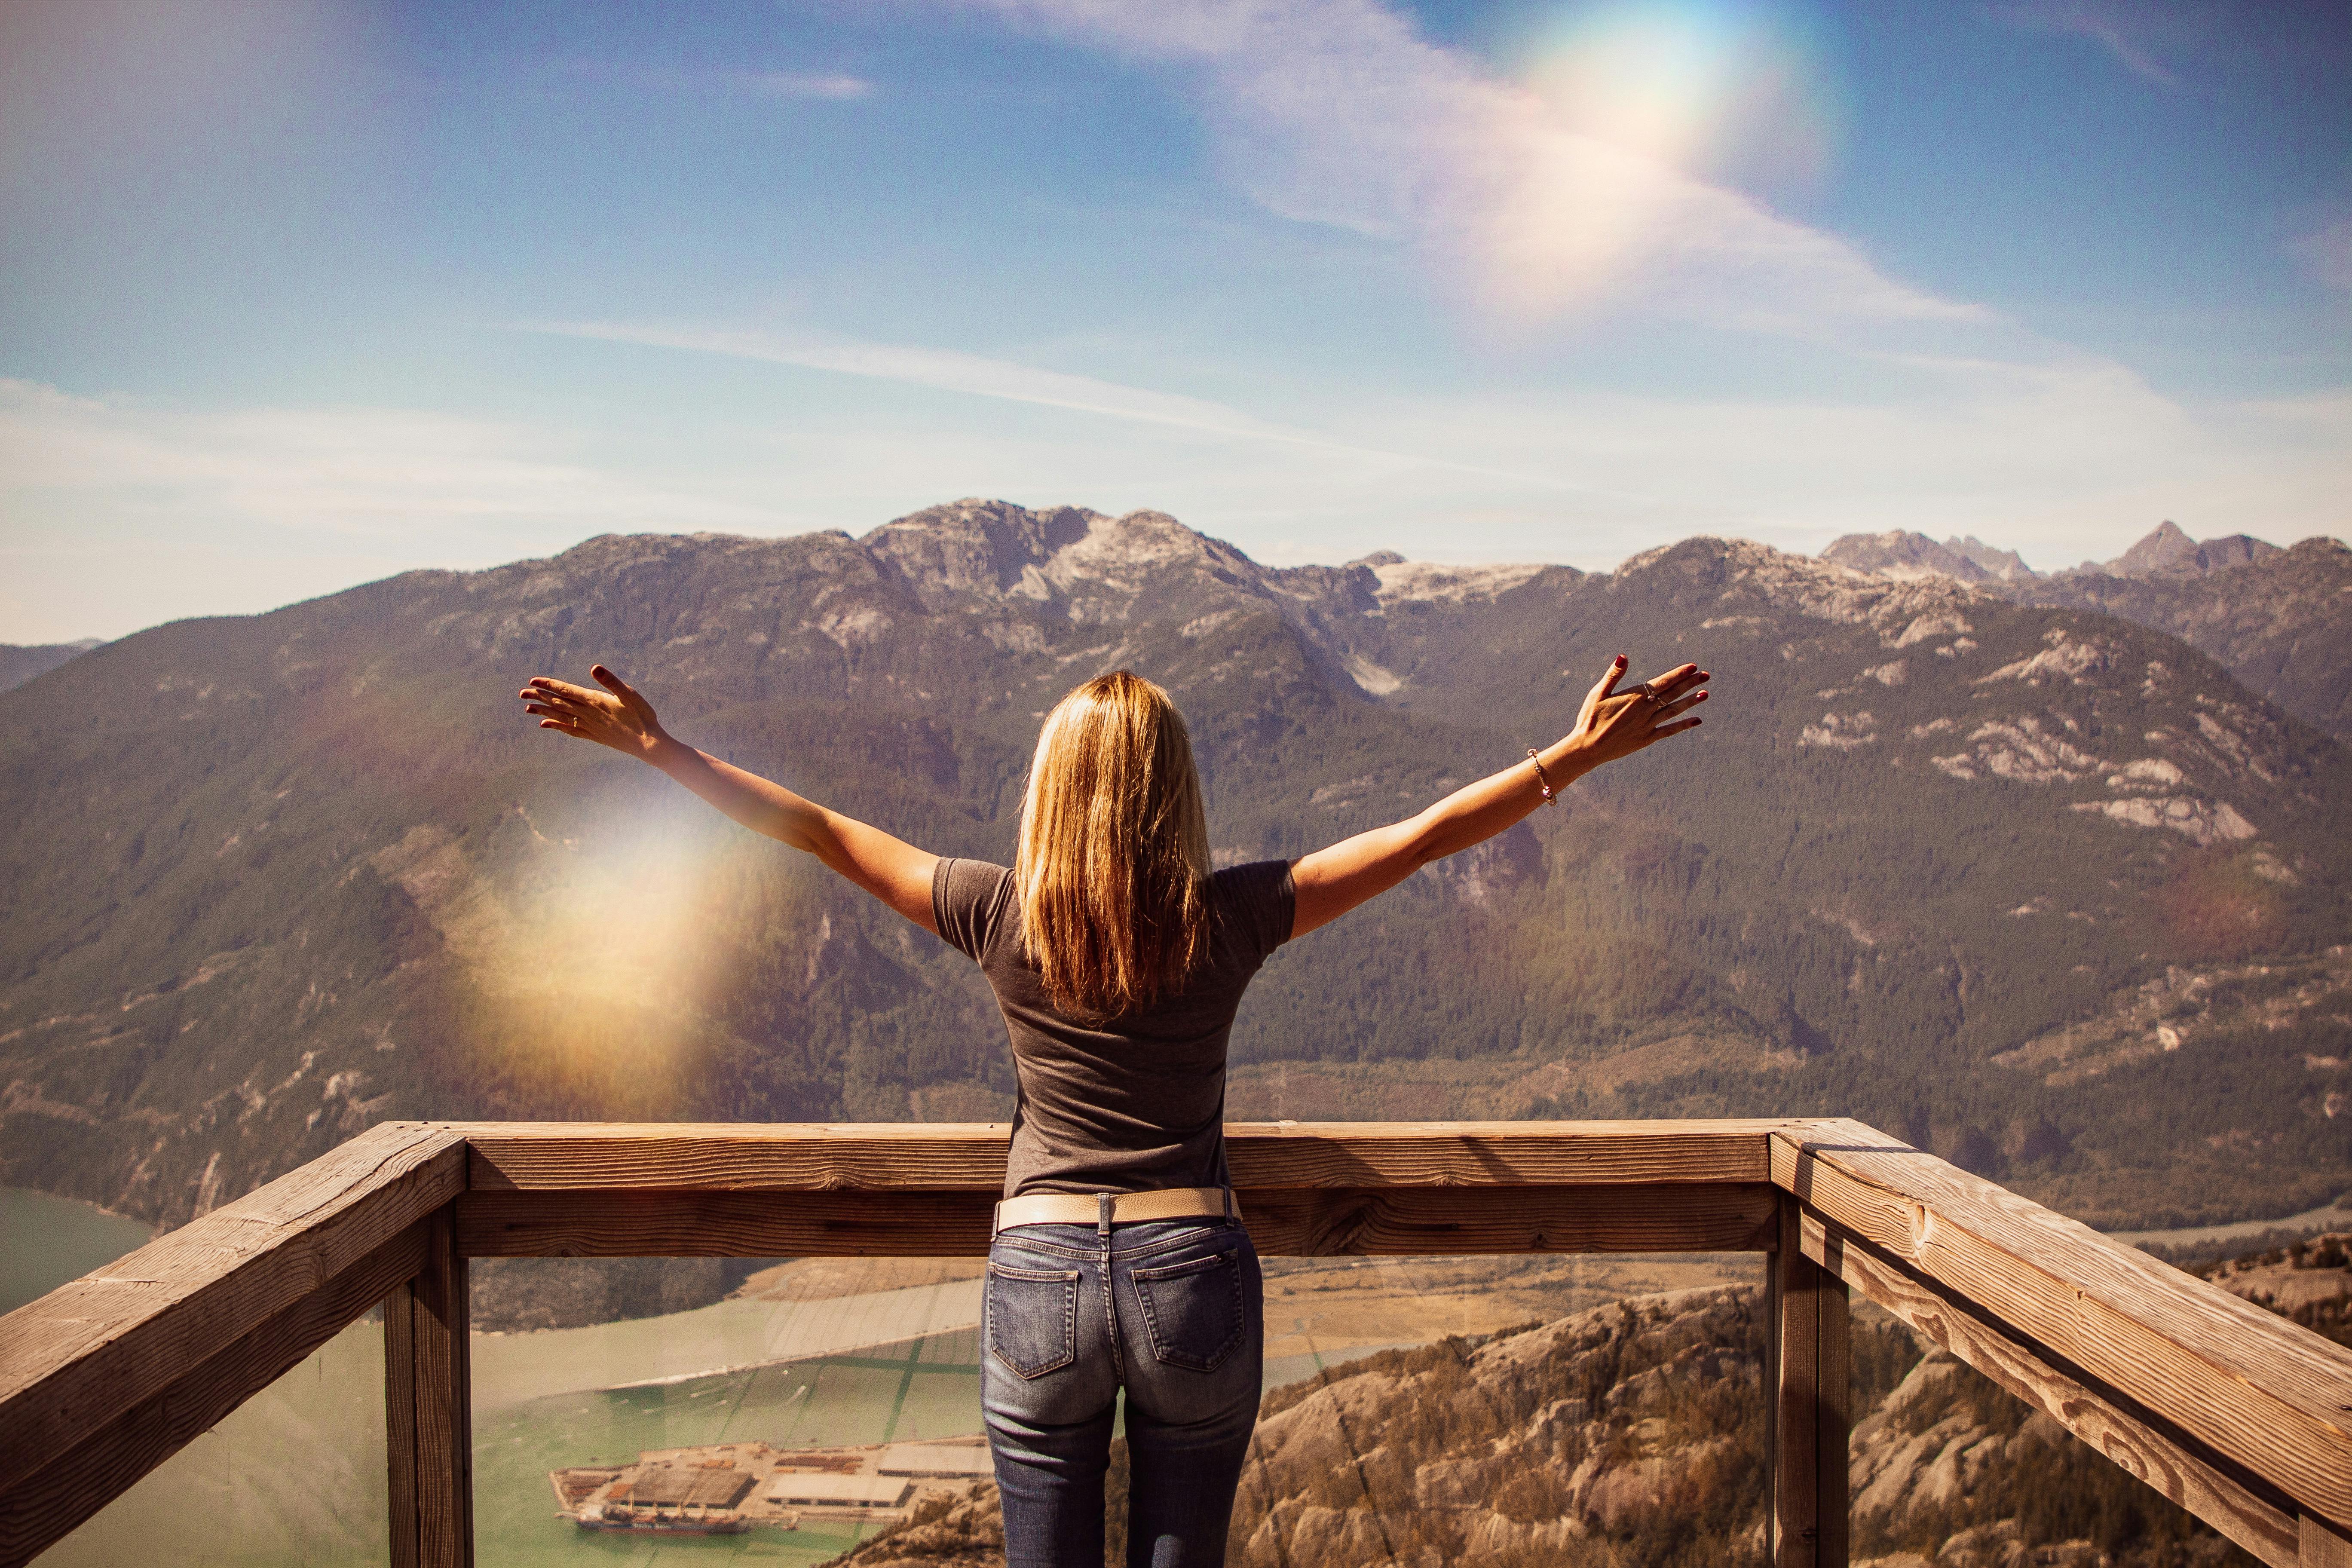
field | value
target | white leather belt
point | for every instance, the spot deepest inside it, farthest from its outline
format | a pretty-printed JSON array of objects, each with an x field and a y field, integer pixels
[{"x": 1124, "y": 1209}]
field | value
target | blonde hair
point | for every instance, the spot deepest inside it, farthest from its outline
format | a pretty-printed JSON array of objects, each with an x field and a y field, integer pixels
[{"x": 1114, "y": 863}]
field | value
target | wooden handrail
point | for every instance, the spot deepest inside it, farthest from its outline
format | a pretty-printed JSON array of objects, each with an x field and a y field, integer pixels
[
  {"x": 108, "y": 1375},
  {"x": 1310, "y": 1189},
  {"x": 2242, "y": 1418},
  {"x": 2234, "y": 1413},
  {"x": 551, "y": 1156}
]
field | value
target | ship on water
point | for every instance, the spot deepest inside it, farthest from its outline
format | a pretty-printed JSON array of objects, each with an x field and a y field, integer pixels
[{"x": 727, "y": 1488}]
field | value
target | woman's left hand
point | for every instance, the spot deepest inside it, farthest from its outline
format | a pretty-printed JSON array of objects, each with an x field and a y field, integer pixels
[{"x": 1614, "y": 724}]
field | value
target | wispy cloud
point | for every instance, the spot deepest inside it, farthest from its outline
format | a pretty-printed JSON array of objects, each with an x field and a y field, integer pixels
[
  {"x": 795, "y": 84},
  {"x": 947, "y": 370},
  {"x": 352, "y": 471},
  {"x": 2127, "y": 32},
  {"x": 1336, "y": 111},
  {"x": 122, "y": 513},
  {"x": 835, "y": 86}
]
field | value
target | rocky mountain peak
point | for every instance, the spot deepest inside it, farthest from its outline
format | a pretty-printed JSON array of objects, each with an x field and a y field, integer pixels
[
  {"x": 2007, "y": 565},
  {"x": 994, "y": 548},
  {"x": 1900, "y": 552},
  {"x": 977, "y": 546},
  {"x": 2165, "y": 545},
  {"x": 2168, "y": 552}
]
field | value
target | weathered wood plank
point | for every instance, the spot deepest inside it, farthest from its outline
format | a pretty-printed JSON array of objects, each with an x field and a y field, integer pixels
[
  {"x": 635, "y": 1224},
  {"x": 1283, "y": 1222},
  {"x": 1457, "y": 1222},
  {"x": 429, "y": 1408},
  {"x": 2274, "y": 1397},
  {"x": 887, "y": 1157},
  {"x": 2214, "y": 1490},
  {"x": 78, "y": 1358},
  {"x": 104, "y": 1463},
  {"x": 1503, "y": 1155}
]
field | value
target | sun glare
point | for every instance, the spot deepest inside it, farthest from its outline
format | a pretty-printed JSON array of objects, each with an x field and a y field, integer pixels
[
  {"x": 1714, "y": 91},
  {"x": 601, "y": 962}
]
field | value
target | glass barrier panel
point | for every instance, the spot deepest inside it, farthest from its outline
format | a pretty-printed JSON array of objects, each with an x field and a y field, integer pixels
[
  {"x": 1949, "y": 1470},
  {"x": 1534, "y": 1410},
  {"x": 716, "y": 1409},
  {"x": 294, "y": 1477},
  {"x": 1525, "y": 1410}
]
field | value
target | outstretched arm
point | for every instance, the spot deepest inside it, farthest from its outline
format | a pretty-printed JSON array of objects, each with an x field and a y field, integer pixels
[
  {"x": 891, "y": 870},
  {"x": 1613, "y": 724}
]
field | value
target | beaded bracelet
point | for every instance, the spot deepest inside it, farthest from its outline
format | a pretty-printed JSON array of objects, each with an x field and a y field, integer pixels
[{"x": 1543, "y": 780}]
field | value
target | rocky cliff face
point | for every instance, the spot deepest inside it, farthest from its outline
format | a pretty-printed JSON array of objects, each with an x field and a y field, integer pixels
[{"x": 277, "y": 877}]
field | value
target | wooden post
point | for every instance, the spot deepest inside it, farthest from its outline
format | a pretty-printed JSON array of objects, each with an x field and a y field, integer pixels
[
  {"x": 1833, "y": 1420},
  {"x": 1809, "y": 1361},
  {"x": 429, "y": 1410}
]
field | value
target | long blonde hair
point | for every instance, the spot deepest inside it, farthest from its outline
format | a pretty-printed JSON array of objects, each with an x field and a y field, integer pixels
[{"x": 1114, "y": 863}]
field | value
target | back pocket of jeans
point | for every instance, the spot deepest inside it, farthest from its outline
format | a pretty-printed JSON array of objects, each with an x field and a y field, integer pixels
[
  {"x": 1033, "y": 1318},
  {"x": 1192, "y": 1309}
]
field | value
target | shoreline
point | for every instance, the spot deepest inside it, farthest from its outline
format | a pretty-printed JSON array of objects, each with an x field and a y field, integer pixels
[
  {"x": 154, "y": 1228},
  {"x": 2328, "y": 1217}
]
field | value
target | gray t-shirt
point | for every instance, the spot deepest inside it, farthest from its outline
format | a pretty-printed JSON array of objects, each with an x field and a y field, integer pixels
[{"x": 1131, "y": 1103}]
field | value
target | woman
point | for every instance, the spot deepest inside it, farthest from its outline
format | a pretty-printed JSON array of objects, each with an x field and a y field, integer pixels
[{"x": 1118, "y": 957}]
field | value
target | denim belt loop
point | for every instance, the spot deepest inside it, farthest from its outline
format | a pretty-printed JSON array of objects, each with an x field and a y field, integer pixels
[{"x": 1103, "y": 1202}]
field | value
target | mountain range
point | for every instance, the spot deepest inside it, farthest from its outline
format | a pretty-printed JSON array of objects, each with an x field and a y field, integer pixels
[
  {"x": 2279, "y": 620},
  {"x": 2037, "y": 884}
]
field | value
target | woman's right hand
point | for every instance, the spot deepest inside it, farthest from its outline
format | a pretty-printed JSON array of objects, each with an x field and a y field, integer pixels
[
  {"x": 1615, "y": 724},
  {"x": 615, "y": 717}
]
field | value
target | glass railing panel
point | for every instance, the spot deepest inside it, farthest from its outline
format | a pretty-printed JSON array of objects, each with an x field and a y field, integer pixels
[
  {"x": 294, "y": 1477},
  {"x": 1414, "y": 1405},
  {"x": 626, "y": 1407},
  {"x": 1948, "y": 1468},
  {"x": 1528, "y": 1410}
]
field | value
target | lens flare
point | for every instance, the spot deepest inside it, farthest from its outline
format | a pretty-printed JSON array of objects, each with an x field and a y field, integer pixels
[
  {"x": 603, "y": 950},
  {"x": 1733, "y": 92},
  {"x": 1635, "y": 150}
]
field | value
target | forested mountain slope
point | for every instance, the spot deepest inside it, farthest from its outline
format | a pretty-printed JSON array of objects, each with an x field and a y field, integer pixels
[{"x": 277, "y": 877}]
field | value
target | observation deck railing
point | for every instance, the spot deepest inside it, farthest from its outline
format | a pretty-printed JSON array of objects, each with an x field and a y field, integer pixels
[{"x": 2240, "y": 1417}]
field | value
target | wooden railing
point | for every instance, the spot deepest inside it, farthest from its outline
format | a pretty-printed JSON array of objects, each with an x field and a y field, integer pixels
[{"x": 2239, "y": 1416}]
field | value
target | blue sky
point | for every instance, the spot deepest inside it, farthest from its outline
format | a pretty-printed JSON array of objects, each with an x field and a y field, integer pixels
[{"x": 294, "y": 293}]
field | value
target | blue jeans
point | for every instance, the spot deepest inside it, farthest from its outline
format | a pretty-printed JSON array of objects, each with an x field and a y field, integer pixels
[{"x": 1174, "y": 1310}]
